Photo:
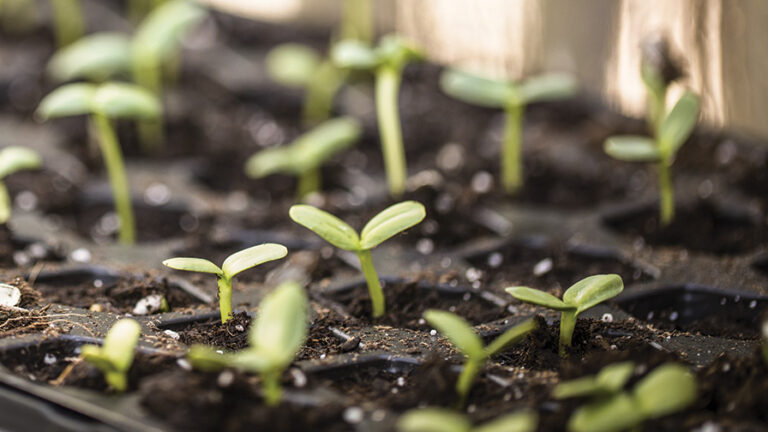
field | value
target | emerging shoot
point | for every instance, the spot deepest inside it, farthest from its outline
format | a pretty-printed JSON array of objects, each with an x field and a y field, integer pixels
[
  {"x": 304, "y": 156},
  {"x": 512, "y": 97},
  {"x": 115, "y": 356},
  {"x": 445, "y": 420},
  {"x": 275, "y": 337},
  {"x": 461, "y": 334},
  {"x": 581, "y": 296},
  {"x": 387, "y": 62},
  {"x": 103, "y": 104},
  {"x": 388, "y": 223},
  {"x": 234, "y": 264},
  {"x": 13, "y": 159}
]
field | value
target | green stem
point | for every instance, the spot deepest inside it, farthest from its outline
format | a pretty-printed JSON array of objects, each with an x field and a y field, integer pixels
[
  {"x": 309, "y": 182},
  {"x": 387, "y": 89},
  {"x": 320, "y": 93},
  {"x": 5, "y": 204},
  {"x": 225, "y": 299},
  {"x": 273, "y": 392},
  {"x": 666, "y": 194},
  {"x": 148, "y": 73},
  {"x": 357, "y": 20},
  {"x": 113, "y": 160},
  {"x": 512, "y": 159},
  {"x": 467, "y": 378},
  {"x": 378, "y": 304},
  {"x": 117, "y": 380},
  {"x": 657, "y": 107},
  {"x": 68, "y": 21},
  {"x": 567, "y": 325}
]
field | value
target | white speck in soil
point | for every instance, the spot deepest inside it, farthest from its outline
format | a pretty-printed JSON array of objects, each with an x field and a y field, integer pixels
[
  {"x": 471, "y": 408},
  {"x": 394, "y": 390},
  {"x": 607, "y": 318},
  {"x": 429, "y": 227},
  {"x": 723, "y": 301},
  {"x": 476, "y": 285},
  {"x": 172, "y": 334},
  {"x": 157, "y": 194},
  {"x": 98, "y": 283},
  {"x": 49, "y": 359},
  {"x": 299, "y": 379},
  {"x": 472, "y": 274},
  {"x": 614, "y": 347},
  {"x": 108, "y": 223},
  {"x": 422, "y": 321},
  {"x": 543, "y": 267},
  {"x": 736, "y": 298},
  {"x": 425, "y": 246},
  {"x": 237, "y": 201},
  {"x": 446, "y": 262},
  {"x": 400, "y": 381},
  {"x": 753, "y": 304},
  {"x": 452, "y": 309},
  {"x": 322, "y": 356},
  {"x": 656, "y": 345},
  {"x": 353, "y": 415},
  {"x": 184, "y": 364},
  {"x": 450, "y": 157},
  {"x": 21, "y": 259},
  {"x": 482, "y": 182},
  {"x": 765, "y": 329},
  {"x": 466, "y": 296},
  {"x": 726, "y": 367},
  {"x": 709, "y": 426},
  {"x": 673, "y": 316},
  {"x": 705, "y": 189},
  {"x": 433, "y": 332},
  {"x": 81, "y": 255},
  {"x": 495, "y": 260},
  {"x": 26, "y": 200},
  {"x": 507, "y": 397},
  {"x": 650, "y": 315},
  {"x": 225, "y": 379},
  {"x": 239, "y": 328},
  {"x": 378, "y": 415},
  {"x": 220, "y": 351}
]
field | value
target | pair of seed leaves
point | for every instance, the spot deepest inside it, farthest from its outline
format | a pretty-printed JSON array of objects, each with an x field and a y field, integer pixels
[
  {"x": 115, "y": 356},
  {"x": 14, "y": 159},
  {"x": 392, "y": 51},
  {"x": 444, "y": 420},
  {"x": 672, "y": 134},
  {"x": 581, "y": 296},
  {"x": 233, "y": 264},
  {"x": 112, "y": 100}
]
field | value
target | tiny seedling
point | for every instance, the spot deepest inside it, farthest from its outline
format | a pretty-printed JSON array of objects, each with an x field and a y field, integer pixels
[
  {"x": 393, "y": 220},
  {"x": 234, "y": 264},
  {"x": 387, "y": 62},
  {"x": 275, "y": 337},
  {"x": 103, "y": 103},
  {"x": 670, "y": 131},
  {"x": 115, "y": 356},
  {"x": 444, "y": 420},
  {"x": 96, "y": 57},
  {"x": 13, "y": 159},
  {"x": 668, "y": 389},
  {"x": 610, "y": 380},
  {"x": 579, "y": 297},
  {"x": 305, "y": 156},
  {"x": 512, "y": 97},
  {"x": 461, "y": 334}
]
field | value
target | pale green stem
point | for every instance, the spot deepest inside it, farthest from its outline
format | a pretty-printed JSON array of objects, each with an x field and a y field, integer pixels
[
  {"x": 5, "y": 204},
  {"x": 68, "y": 21},
  {"x": 309, "y": 181},
  {"x": 320, "y": 93},
  {"x": 117, "y": 380},
  {"x": 113, "y": 160},
  {"x": 378, "y": 304},
  {"x": 666, "y": 194},
  {"x": 512, "y": 158},
  {"x": 225, "y": 299},
  {"x": 567, "y": 325},
  {"x": 270, "y": 384},
  {"x": 387, "y": 89},
  {"x": 148, "y": 74},
  {"x": 657, "y": 108},
  {"x": 357, "y": 20},
  {"x": 467, "y": 378}
]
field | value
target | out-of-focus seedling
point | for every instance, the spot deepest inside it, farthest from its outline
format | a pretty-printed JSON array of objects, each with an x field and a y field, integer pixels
[
  {"x": 102, "y": 104},
  {"x": 275, "y": 337},
  {"x": 668, "y": 389},
  {"x": 393, "y": 220},
  {"x": 304, "y": 156},
  {"x": 67, "y": 21},
  {"x": 461, "y": 334},
  {"x": 444, "y": 420},
  {"x": 581, "y": 296},
  {"x": 234, "y": 264},
  {"x": 13, "y": 159},
  {"x": 610, "y": 380},
  {"x": 95, "y": 57},
  {"x": 386, "y": 61},
  {"x": 357, "y": 20},
  {"x": 670, "y": 130},
  {"x": 115, "y": 356},
  {"x": 512, "y": 97}
]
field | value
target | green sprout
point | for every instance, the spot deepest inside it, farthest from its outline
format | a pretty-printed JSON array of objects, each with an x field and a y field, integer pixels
[
  {"x": 305, "y": 156},
  {"x": 461, "y": 334},
  {"x": 13, "y": 159},
  {"x": 444, "y": 420},
  {"x": 275, "y": 337},
  {"x": 393, "y": 220},
  {"x": 387, "y": 62},
  {"x": 233, "y": 264},
  {"x": 581, "y": 296},
  {"x": 668, "y": 389},
  {"x": 115, "y": 356},
  {"x": 95, "y": 57},
  {"x": 103, "y": 103},
  {"x": 609, "y": 381},
  {"x": 512, "y": 97}
]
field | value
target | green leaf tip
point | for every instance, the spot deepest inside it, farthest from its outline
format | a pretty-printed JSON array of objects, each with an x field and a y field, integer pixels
[
  {"x": 541, "y": 298},
  {"x": 112, "y": 99},
  {"x": 593, "y": 290},
  {"x": 632, "y": 148},
  {"x": 95, "y": 57},
  {"x": 251, "y": 257},
  {"x": 390, "y": 222},
  {"x": 199, "y": 265},
  {"x": 280, "y": 328},
  {"x": 17, "y": 158},
  {"x": 457, "y": 330},
  {"x": 332, "y": 229}
]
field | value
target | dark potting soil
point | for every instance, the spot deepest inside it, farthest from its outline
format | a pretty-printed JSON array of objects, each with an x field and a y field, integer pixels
[
  {"x": 232, "y": 335},
  {"x": 20, "y": 252},
  {"x": 322, "y": 341}
]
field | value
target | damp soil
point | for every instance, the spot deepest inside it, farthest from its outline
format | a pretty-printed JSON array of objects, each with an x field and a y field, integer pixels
[
  {"x": 231, "y": 336},
  {"x": 19, "y": 252}
]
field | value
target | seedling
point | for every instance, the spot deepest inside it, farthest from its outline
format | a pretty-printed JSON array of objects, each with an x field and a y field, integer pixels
[
  {"x": 579, "y": 297},
  {"x": 445, "y": 420},
  {"x": 95, "y": 57},
  {"x": 275, "y": 337},
  {"x": 461, "y": 334},
  {"x": 233, "y": 264},
  {"x": 387, "y": 62},
  {"x": 610, "y": 380},
  {"x": 670, "y": 131},
  {"x": 305, "y": 156},
  {"x": 103, "y": 103},
  {"x": 13, "y": 159},
  {"x": 391, "y": 221},
  {"x": 512, "y": 97},
  {"x": 668, "y": 389},
  {"x": 115, "y": 356}
]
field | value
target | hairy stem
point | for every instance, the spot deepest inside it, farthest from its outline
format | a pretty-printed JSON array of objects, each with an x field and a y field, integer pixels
[
  {"x": 68, "y": 21},
  {"x": 5, "y": 204},
  {"x": 666, "y": 194},
  {"x": 113, "y": 160},
  {"x": 387, "y": 89},
  {"x": 511, "y": 158},
  {"x": 467, "y": 378},
  {"x": 309, "y": 182},
  {"x": 225, "y": 299},
  {"x": 357, "y": 20},
  {"x": 567, "y": 325},
  {"x": 270, "y": 384},
  {"x": 378, "y": 304}
]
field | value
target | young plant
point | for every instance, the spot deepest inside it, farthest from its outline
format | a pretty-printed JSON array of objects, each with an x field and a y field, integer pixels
[
  {"x": 305, "y": 156},
  {"x": 610, "y": 380},
  {"x": 275, "y": 337},
  {"x": 13, "y": 159},
  {"x": 579, "y": 297},
  {"x": 670, "y": 130},
  {"x": 512, "y": 97},
  {"x": 104, "y": 103},
  {"x": 391, "y": 221},
  {"x": 461, "y": 334},
  {"x": 445, "y": 420},
  {"x": 668, "y": 389},
  {"x": 234, "y": 264},
  {"x": 115, "y": 356},
  {"x": 387, "y": 62}
]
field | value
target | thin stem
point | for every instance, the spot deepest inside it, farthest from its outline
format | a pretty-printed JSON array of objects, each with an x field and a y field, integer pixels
[
  {"x": 511, "y": 159},
  {"x": 467, "y": 378},
  {"x": 5, "y": 204},
  {"x": 270, "y": 385},
  {"x": 567, "y": 325},
  {"x": 309, "y": 182},
  {"x": 68, "y": 21},
  {"x": 657, "y": 108},
  {"x": 666, "y": 194},
  {"x": 148, "y": 74},
  {"x": 357, "y": 20},
  {"x": 225, "y": 298},
  {"x": 113, "y": 160},
  {"x": 387, "y": 89},
  {"x": 378, "y": 304}
]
